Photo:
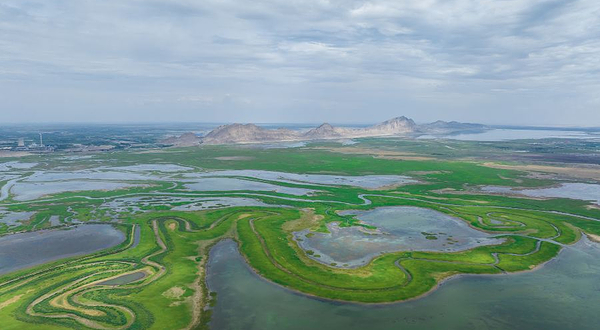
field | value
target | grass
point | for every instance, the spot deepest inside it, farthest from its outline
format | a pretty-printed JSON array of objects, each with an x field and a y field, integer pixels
[{"x": 173, "y": 245}]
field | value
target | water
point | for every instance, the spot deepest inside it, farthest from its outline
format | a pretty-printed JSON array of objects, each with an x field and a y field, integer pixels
[
  {"x": 26, "y": 191},
  {"x": 5, "y": 190},
  {"x": 399, "y": 229},
  {"x": 564, "y": 294},
  {"x": 13, "y": 219},
  {"x": 140, "y": 172},
  {"x": 51, "y": 176},
  {"x": 581, "y": 191},
  {"x": 125, "y": 279},
  {"x": 220, "y": 202},
  {"x": 364, "y": 181},
  {"x": 54, "y": 220},
  {"x": 278, "y": 145},
  {"x": 167, "y": 168},
  {"x": 26, "y": 250},
  {"x": 514, "y": 134},
  {"x": 137, "y": 204},
  {"x": 233, "y": 184},
  {"x": 14, "y": 165}
]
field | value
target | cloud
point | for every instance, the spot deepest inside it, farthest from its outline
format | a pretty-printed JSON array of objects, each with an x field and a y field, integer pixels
[{"x": 431, "y": 59}]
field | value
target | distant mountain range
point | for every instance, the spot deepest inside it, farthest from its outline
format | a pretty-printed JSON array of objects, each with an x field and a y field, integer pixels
[{"x": 250, "y": 133}]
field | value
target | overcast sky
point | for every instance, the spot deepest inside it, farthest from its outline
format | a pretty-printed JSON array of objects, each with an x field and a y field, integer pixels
[{"x": 534, "y": 62}]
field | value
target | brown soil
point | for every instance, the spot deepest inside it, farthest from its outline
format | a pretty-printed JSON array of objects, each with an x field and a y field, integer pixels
[
  {"x": 235, "y": 158},
  {"x": 308, "y": 220},
  {"x": 10, "y": 301},
  {"x": 593, "y": 238},
  {"x": 592, "y": 172},
  {"x": 384, "y": 154},
  {"x": 8, "y": 154},
  {"x": 174, "y": 293}
]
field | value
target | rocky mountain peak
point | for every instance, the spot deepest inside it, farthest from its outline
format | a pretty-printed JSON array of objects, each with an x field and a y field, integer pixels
[
  {"x": 322, "y": 132},
  {"x": 250, "y": 133}
]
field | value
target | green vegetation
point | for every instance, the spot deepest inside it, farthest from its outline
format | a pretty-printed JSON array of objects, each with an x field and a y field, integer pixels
[{"x": 173, "y": 246}]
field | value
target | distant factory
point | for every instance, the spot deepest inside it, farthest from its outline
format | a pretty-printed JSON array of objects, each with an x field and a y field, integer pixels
[{"x": 33, "y": 147}]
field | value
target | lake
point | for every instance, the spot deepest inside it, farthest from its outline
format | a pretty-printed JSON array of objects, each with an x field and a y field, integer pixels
[
  {"x": 24, "y": 250},
  {"x": 564, "y": 294},
  {"x": 399, "y": 229},
  {"x": 514, "y": 134}
]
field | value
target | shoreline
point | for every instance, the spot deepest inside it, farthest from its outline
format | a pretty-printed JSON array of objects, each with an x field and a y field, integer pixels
[{"x": 439, "y": 283}]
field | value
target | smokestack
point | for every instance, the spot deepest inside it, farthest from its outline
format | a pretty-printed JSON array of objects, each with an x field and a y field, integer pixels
[{"x": 41, "y": 141}]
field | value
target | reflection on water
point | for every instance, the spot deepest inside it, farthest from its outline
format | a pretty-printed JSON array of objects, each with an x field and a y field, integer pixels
[
  {"x": 233, "y": 184},
  {"x": 25, "y": 250},
  {"x": 564, "y": 294},
  {"x": 514, "y": 134},
  {"x": 399, "y": 229},
  {"x": 125, "y": 279},
  {"x": 581, "y": 191},
  {"x": 364, "y": 181},
  {"x": 29, "y": 191},
  {"x": 219, "y": 202},
  {"x": 14, "y": 165},
  {"x": 13, "y": 219}
]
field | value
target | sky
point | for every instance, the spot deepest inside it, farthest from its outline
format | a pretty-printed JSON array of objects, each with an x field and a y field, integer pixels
[{"x": 516, "y": 62}]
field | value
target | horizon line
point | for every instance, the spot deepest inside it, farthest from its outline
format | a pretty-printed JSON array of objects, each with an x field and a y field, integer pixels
[{"x": 188, "y": 123}]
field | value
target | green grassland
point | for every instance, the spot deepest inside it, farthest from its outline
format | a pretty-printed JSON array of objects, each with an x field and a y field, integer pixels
[{"x": 173, "y": 246}]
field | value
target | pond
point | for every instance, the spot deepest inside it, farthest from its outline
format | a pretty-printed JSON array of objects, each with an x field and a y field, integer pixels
[
  {"x": 24, "y": 250},
  {"x": 26, "y": 191},
  {"x": 363, "y": 181},
  {"x": 233, "y": 184},
  {"x": 13, "y": 219},
  {"x": 398, "y": 229}
]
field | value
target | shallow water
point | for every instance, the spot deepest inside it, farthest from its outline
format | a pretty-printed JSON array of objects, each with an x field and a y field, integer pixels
[
  {"x": 13, "y": 219},
  {"x": 233, "y": 184},
  {"x": 514, "y": 134},
  {"x": 54, "y": 220},
  {"x": 125, "y": 279},
  {"x": 26, "y": 191},
  {"x": 365, "y": 181},
  {"x": 399, "y": 229},
  {"x": 278, "y": 145},
  {"x": 168, "y": 168},
  {"x": 51, "y": 176},
  {"x": 14, "y": 165},
  {"x": 581, "y": 191},
  {"x": 5, "y": 190},
  {"x": 219, "y": 202},
  {"x": 136, "y": 204},
  {"x": 564, "y": 294},
  {"x": 136, "y": 237},
  {"x": 25, "y": 250}
]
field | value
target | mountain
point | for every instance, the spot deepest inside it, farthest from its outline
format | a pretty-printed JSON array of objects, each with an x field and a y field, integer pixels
[
  {"x": 248, "y": 133},
  {"x": 324, "y": 131},
  {"x": 186, "y": 140},
  {"x": 452, "y": 127},
  {"x": 394, "y": 126}
]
